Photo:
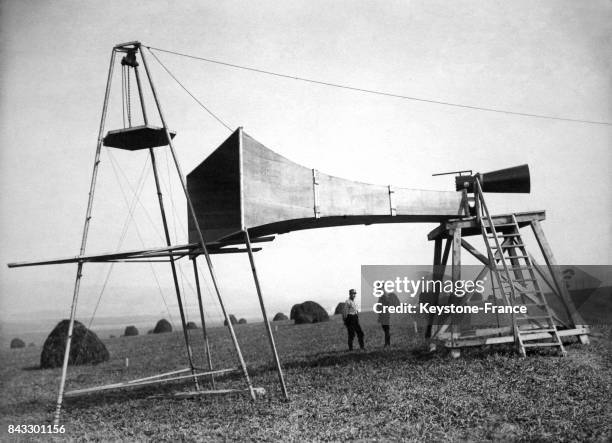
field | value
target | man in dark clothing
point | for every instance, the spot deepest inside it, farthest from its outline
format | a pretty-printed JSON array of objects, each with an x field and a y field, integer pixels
[
  {"x": 384, "y": 318},
  {"x": 351, "y": 321}
]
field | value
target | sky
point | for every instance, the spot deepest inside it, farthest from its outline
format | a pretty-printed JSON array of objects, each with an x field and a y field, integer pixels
[{"x": 548, "y": 57}]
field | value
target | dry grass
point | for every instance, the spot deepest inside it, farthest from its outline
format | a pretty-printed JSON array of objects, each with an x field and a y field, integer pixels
[{"x": 401, "y": 393}]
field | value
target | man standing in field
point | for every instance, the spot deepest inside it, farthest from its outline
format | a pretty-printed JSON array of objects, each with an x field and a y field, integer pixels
[
  {"x": 384, "y": 318},
  {"x": 351, "y": 320}
]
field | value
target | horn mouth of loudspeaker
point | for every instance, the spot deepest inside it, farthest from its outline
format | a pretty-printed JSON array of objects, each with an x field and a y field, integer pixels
[{"x": 514, "y": 180}]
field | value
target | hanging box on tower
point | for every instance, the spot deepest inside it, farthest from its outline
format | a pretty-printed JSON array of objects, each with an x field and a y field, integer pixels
[{"x": 137, "y": 137}]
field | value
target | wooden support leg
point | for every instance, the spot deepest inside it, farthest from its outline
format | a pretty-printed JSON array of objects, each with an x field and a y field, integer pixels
[
  {"x": 173, "y": 267},
  {"x": 203, "y": 321},
  {"x": 438, "y": 272},
  {"x": 553, "y": 267},
  {"x": 456, "y": 272},
  {"x": 279, "y": 369},
  {"x": 167, "y": 235},
  {"x": 544, "y": 276},
  {"x": 77, "y": 284},
  {"x": 436, "y": 264},
  {"x": 194, "y": 218},
  {"x": 75, "y": 296}
]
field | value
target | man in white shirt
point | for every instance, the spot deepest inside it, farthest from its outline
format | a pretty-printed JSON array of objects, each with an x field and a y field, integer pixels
[{"x": 351, "y": 320}]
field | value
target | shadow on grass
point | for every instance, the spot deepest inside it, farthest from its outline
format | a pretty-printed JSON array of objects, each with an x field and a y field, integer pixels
[
  {"x": 414, "y": 356},
  {"x": 348, "y": 357},
  {"x": 25, "y": 408},
  {"x": 345, "y": 358},
  {"x": 31, "y": 368},
  {"x": 321, "y": 359},
  {"x": 136, "y": 393}
]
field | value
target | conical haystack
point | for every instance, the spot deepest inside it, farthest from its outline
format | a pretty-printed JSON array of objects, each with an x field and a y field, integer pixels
[{"x": 86, "y": 347}]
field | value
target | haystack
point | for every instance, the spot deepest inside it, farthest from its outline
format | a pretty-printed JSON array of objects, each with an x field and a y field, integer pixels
[
  {"x": 232, "y": 319},
  {"x": 86, "y": 347},
  {"x": 162, "y": 326},
  {"x": 280, "y": 317},
  {"x": 17, "y": 343},
  {"x": 339, "y": 308},
  {"x": 131, "y": 331},
  {"x": 191, "y": 325},
  {"x": 308, "y": 312},
  {"x": 242, "y": 321}
]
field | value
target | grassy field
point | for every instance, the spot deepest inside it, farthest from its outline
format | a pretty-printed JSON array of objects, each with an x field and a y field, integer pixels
[{"x": 399, "y": 393}]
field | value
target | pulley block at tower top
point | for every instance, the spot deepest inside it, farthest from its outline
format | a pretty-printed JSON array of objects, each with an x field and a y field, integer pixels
[{"x": 143, "y": 136}]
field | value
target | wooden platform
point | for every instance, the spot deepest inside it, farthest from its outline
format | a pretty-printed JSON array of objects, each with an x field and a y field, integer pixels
[
  {"x": 469, "y": 225},
  {"x": 137, "y": 137},
  {"x": 464, "y": 340}
]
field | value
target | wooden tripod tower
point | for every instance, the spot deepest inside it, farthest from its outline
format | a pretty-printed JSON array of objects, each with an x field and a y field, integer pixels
[{"x": 150, "y": 137}]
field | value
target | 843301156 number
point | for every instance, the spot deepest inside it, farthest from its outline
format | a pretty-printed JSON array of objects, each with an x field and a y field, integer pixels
[{"x": 36, "y": 429}]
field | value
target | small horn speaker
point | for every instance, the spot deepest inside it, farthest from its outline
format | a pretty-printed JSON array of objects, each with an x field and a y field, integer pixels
[{"x": 513, "y": 180}]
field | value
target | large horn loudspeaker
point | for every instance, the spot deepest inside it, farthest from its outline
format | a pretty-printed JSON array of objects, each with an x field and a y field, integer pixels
[{"x": 513, "y": 180}]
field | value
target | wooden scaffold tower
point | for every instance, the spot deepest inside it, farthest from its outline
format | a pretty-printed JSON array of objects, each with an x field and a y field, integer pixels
[{"x": 515, "y": 277}]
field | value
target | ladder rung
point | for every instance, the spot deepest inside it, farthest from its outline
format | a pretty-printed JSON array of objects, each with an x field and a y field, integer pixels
[
  {"x": 537, "y": 345},
  {"x": 535, "y": 331},
  {"x": 535, "y": 317},
  {"x": 518, "y": 245},
  {"x": 487, "y": 221},
  {"x": 515, "y": 268},
  {"x": 506, "y": 289},
  {"x": 503, "y": 224},
  {"x": 516, "y": 234},
  {"x": 518, "y": 291},
  {"x": 525, "y": 279}
]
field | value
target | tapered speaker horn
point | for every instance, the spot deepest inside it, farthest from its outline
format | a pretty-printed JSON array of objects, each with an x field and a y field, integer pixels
[
  {"x": 245, "y": 185},
  {"x": 513, "y": 180}
]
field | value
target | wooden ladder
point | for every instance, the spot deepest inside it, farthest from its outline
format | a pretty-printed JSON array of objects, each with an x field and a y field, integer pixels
[{"x": 517, "y": 281}]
